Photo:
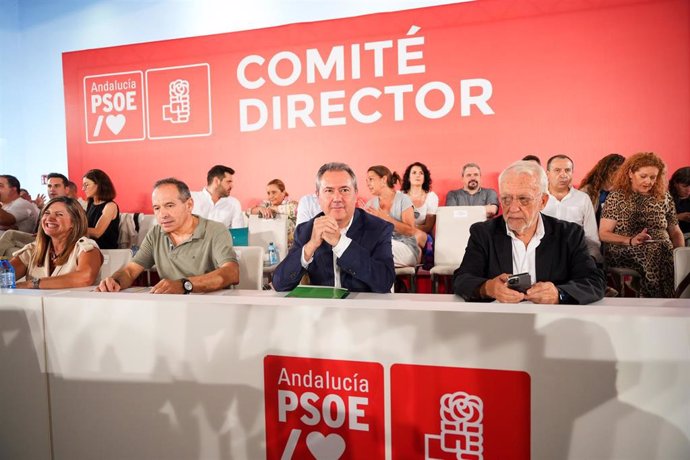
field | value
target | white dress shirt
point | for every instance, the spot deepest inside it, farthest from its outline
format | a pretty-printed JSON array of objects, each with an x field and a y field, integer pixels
[
  {"x": 226, "y": 210},
  {"x": 524, "y": 257},
  {"x": 25, "y": 214},
  {"x": 307, "y": 208},
  {"x": 576, "y": 207}
]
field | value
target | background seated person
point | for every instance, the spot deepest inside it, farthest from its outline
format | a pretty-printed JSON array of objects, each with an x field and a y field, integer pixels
[
  {"x": 416, "y": 184},
  {"x": 214, "y": 202},
  {"x": 679, "y": 187},
  {"x": 278, "y": 203},
  {"x": 15, "y": 212},
  {"x": 343, "y": 246},
  {"x": 395, "y": 207},
  {"x": 307, "y": 208},
  {"x": 639, "y": 226},
  {"x": 598, "y": 182},
  {"x": 62, "y": 256},
  {"x": 523, "y": 240},
  {"x": 472, "y": 193},
  {"x": 191, "y": 254},
  {"x": 568, "y": 203},
  {"x": 102, "y": 212}
]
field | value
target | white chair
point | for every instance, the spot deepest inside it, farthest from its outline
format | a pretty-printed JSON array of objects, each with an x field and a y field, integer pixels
[
  {"x": 113, "y": 260},
  {"x": 681, "y": 269},
  {"x": 452, "y": 233},
  {"x": 410, "y": 273},
  {"x": 251, "y": 261},
  {"x": 127, "y": 229},
  {"x": 264, "y": 231},
  {"x": 146, "y": 222}
]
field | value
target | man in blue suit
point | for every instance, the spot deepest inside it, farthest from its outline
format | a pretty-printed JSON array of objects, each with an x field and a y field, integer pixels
[
  {"x": 523, "y": 240},
  {"x": 343, "y": 246}
]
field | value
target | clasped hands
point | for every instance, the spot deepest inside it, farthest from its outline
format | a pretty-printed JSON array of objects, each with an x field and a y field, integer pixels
[
  {"x": 540, "y": 292},
  {"x": 325, "y": 229}
]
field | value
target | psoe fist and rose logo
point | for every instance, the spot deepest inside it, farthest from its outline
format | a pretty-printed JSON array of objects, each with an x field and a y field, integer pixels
[
  {"x": 323, "y": 409},
  {"x": 452, "y": 413}
]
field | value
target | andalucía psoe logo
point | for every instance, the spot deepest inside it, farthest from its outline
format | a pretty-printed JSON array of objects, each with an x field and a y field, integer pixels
[
  {"x": 323, "y": 409},
  {"x": 114, "y": 107}
]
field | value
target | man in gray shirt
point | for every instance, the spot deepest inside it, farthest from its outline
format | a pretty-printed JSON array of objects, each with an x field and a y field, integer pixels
[
  {"x": 191, "y": 254},
  {"x": 472, "y": 194}
]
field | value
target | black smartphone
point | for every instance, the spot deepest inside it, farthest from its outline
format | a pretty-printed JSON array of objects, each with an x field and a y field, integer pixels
[{"x": 520, "y": 282}]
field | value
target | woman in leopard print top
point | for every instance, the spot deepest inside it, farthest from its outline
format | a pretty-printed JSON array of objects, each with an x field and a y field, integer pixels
[{"x": 639, "y": 226}]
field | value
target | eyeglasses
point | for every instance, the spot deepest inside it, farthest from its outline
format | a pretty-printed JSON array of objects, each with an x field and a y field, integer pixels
[{"x": 524, "y": 200}]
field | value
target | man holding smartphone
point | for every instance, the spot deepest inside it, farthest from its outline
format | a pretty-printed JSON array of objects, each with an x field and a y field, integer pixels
[{"x": 523, "y": 241}]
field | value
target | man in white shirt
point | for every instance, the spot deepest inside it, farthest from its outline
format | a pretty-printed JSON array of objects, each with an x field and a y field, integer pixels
[
  {"x": 307, "y": 208},
  {"x": 569, "y": 204},
  {"x": 214, "y": 202},
  {"x": 16, "y": 212}
]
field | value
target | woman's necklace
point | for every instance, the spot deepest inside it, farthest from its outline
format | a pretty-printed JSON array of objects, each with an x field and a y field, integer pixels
[
  {"x": 53, "y": 255},
  {"x": 418, "y": 197}
]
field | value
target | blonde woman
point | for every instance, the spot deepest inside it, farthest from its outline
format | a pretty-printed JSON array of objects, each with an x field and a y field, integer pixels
[
  {"x": 62, "y": 256},
  {"x": 278, "y": 203}
]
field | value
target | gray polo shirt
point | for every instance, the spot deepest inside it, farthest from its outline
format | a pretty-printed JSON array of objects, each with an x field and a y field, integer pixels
[
  {"x": 209, "y": 247},
  {"x": 461, "y": 198}
]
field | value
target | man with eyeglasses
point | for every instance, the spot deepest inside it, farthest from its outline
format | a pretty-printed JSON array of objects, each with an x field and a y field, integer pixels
[
  {"x": 522, "y": 240},
  {"x": 343, "y": 246}
]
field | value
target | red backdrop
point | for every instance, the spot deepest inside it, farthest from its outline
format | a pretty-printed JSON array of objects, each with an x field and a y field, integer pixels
[{"x": 579, "y": 77}]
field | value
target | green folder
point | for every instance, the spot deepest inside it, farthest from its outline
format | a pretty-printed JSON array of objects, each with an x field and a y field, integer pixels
[{"x": 306, "y": 291}]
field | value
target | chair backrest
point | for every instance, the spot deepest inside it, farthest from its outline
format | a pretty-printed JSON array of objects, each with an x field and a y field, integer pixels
[
  {"x": 681, "y": 268},
  {"x": 453, "y": 231},
  {"x": 251, "y": 261},
  {"x": 128, "y": 234},
  {"x": 263, "y": 231},
  {"x": 146, "y": 223},
  {"x": 113, "y": 260}
]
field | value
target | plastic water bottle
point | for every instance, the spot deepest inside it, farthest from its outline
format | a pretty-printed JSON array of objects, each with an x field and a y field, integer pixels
[
  {"x": 272, "y": 254},
  {"x": 7, "y": 275}
]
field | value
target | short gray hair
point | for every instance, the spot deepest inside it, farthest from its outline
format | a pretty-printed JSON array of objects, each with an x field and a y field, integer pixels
[
  {"x": 182, "y": 188},
  {"x": 335, "y": 167},
  {"x": 526, "y": 167}
]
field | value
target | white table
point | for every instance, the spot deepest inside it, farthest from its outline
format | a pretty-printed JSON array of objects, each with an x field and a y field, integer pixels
[{"x": 133, "y": 375}]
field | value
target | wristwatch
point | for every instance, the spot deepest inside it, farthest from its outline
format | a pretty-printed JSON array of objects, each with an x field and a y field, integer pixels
[
  {"x": 187, "y": 285},
  {"x": 564, "y": 297},
  {"x": 35, "y": 282}
]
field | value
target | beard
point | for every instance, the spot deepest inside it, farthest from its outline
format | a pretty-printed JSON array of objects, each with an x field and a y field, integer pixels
[{"x": 473, "y": 185}]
